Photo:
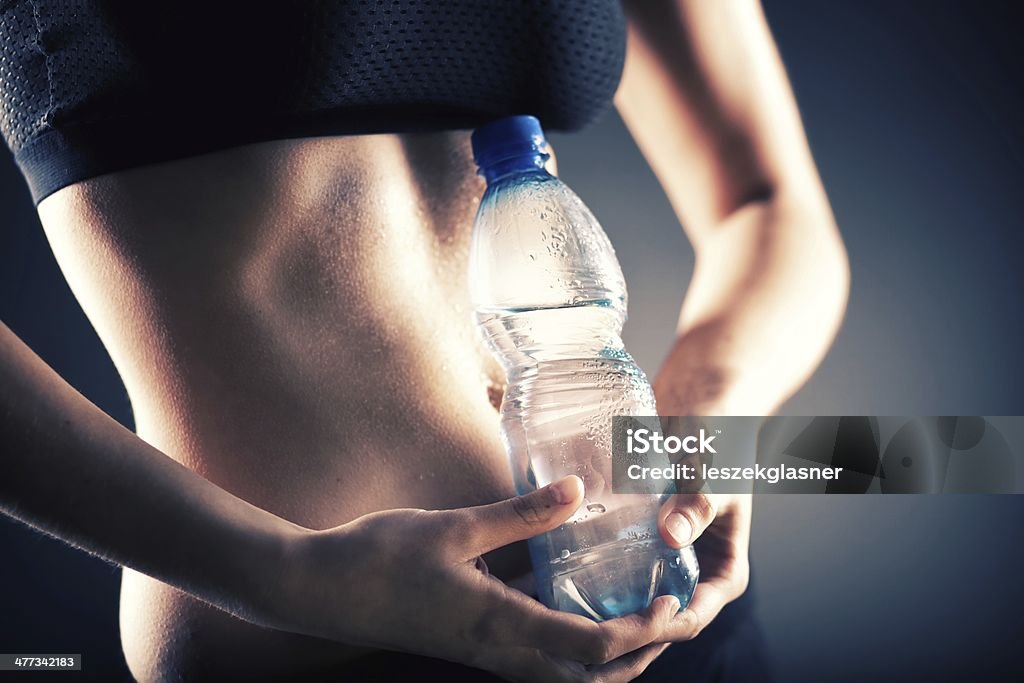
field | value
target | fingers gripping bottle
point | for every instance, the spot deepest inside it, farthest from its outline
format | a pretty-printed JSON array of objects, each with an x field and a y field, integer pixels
[{"x": 550, "y": 300}]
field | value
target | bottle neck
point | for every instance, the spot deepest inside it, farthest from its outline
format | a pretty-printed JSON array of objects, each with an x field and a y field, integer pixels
[{"x": 522, "y": 163}]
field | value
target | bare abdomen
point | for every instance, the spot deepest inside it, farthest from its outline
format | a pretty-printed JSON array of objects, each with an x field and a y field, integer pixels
[{"x": 291, "y": 320}]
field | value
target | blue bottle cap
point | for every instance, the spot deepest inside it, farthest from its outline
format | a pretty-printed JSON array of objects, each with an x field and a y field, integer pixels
[{"x": 508, "y": 138}]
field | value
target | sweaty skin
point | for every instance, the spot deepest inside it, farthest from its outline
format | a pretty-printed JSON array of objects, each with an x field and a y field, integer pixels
[{"x": 291, "y": 320}]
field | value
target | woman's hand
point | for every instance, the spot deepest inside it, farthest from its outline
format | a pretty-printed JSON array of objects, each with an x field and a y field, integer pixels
[
  {"x": 413, "y": 580},
  {"x": 718, "y": 525}
]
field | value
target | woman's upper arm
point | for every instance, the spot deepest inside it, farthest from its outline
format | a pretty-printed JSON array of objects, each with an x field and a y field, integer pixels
[{"x": 706, "y": 98}]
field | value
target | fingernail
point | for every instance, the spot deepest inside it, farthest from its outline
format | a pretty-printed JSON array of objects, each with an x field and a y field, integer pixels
[
  {"x": 678, "y": 528},
  {"x": 565, "y": 490},
  {"x": 673, "y": 604}
]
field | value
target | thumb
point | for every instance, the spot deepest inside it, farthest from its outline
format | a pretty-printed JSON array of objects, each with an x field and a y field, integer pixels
[
  {"x": 685, "y": 516},
  {"x": 517, "y": 519}
]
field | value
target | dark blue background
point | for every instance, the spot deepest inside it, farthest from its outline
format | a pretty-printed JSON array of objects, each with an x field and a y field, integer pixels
[{"x": 914, "y": 114}]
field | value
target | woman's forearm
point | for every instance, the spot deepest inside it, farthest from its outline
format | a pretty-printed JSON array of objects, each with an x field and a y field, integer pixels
[
  {"x": 70, "y": 470},
  {"x": 766, "y": 300}
]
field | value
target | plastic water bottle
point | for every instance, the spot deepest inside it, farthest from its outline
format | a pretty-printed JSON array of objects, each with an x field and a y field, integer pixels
[{"x": 550, "y": 299}]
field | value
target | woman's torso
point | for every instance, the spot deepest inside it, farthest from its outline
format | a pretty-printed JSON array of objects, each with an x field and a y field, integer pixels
[{"x": 291, "y": 320}]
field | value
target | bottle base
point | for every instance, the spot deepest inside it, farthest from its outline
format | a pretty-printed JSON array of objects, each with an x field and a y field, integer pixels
[{"x": 619, "y": 578}]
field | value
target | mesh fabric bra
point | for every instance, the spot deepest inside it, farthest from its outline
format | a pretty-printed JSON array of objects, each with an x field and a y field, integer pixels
[{"x": 88, "y": 88}]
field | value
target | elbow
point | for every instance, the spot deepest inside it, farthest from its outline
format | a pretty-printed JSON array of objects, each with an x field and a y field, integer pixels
[
  {"x": 812, "y": 248},
  {"x": 778, "y": 250},
  {"x": 805, "y": 236},
  {"x": 841, "y": 274},
  {"x": 831, "y": 265},
  {"x": 786, "y": 254},
  {"x": 821, "y": 266},
  {"x": 815, "y": 285}
]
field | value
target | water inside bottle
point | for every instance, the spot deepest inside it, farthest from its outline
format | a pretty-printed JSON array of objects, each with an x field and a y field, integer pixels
[{"x": 568, "y": 375}]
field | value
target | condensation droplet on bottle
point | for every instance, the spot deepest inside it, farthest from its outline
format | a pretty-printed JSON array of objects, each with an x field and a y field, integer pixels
[{"x": 575, "y": 265}]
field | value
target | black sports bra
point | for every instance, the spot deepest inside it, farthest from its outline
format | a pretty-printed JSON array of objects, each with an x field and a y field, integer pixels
[{"x": 88, "y": 88}]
